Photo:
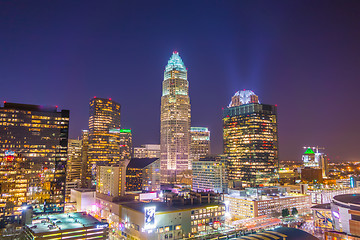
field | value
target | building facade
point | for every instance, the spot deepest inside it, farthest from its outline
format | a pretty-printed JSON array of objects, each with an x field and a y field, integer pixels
[
  {"x": 111, "y": 180},
  {"x": 104, "y": 141},
  {"x": 252, "y": 203},
  {"x": 175, "y": 121},
  {"x": 143, "y": 174},
  {"x": 126, "y": 149},
  {"x": 147, "y": 151},
  {"x": 251, "y": 140},
  {"x": 210, "y": 174},
  {"x": 345, "y": 212},
  {"x": 39, "y": 135},
  {"x": 74, "y": 163},
  {"x": 316, "y": 159},
  {"x": 73, "y": 166},
  {"x": 200, "y": 142}
]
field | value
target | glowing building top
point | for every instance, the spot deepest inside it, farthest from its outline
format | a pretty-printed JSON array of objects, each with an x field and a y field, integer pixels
[
  {"x": 243, "y": 97},
  {"x": 175, "y": 63}
]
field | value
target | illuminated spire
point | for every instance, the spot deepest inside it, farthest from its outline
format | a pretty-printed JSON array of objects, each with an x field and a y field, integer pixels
[
  {"x": 243, "y": 97},
  {"x": 175, "y": 63}
]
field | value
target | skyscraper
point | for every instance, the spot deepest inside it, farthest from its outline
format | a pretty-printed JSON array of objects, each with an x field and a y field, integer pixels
[
  {"x": 175, "y": 121},
  {"x": 104, "y": 142},
  {"x": 200, "y": 142},
  {"x": 39, "y": 135},
  {"x": 316, "y": 159},
  {"x": 251, "y": 140},
  {"x": 74, "y": 163},
  {"x": 126, "y": 150}
]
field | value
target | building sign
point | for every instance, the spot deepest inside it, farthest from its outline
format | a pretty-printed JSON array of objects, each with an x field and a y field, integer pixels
[{"x": 150, "y": 217}]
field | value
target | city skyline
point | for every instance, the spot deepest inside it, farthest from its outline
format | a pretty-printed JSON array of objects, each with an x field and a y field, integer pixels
[{"x": 307, "y": 65}]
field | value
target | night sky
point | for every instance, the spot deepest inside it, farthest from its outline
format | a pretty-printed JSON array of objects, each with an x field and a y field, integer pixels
[{"x": 303, "y": 56}]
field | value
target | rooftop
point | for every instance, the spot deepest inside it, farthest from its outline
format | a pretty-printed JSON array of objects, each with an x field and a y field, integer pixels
[
  {"x": 164, "y": 207},
  {"x": 281, "y": 233},
  {"x": 63, "y": 221},
  {"x": 348, "y": 198},
  {"x": 29, "y": 107},
  {"x": 175, "y": 63},
  {"x": 140, "y": 162}
]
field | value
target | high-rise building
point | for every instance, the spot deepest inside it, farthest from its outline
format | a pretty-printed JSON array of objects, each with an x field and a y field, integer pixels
[
  {"x": 85, "y": 174},
  {"x": 250, "y": 140},
  {"x": 126, "y": 151},
  {"x": 175, "y": 121},
  {"x": 38, "y": 134},
  {"x": 210, "y": 174},
  {"x": 14, "y": 184},
  {"x": 111, "y": 179},
  {"x": 200, "y": 142},
  {"x": 147, "y": 151},
  {"x": 316, "y": 159},
  {"x": 74, "y": 163},
  {"x": 104, "y": 142},
  {"x": 143, "y": 174}
]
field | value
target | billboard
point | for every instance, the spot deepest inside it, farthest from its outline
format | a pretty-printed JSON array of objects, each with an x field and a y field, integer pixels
[{"x": 149, "y": 217}]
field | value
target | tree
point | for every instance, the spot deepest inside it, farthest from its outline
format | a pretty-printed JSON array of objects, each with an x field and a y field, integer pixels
[
  {"x": 294, "y": 211},
  {"x": 285, "y": 212}
]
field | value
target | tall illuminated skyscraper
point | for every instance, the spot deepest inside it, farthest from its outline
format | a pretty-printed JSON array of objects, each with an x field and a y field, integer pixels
[
  {"x": 33, "y": 146},
  {"x": 175, "y": 121},
  {"x": 104, "y": 142},
  {"x": 251, "y": 140}
]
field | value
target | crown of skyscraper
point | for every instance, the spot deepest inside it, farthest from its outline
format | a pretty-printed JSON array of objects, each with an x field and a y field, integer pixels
[
  {"x": 175, "y": 63},
  {"x": 243, "y": 97}
]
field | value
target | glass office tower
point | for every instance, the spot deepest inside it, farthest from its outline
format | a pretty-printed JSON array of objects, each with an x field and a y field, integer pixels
[
  {"x": 175, "y": 121},
  {"x": 38, "y": 137},
  {"x": 250, "y": 140},
  {"x": 104, "y": 143}
]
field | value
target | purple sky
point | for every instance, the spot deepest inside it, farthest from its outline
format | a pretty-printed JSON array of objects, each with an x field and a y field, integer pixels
[{"x": 303, "y": 56}]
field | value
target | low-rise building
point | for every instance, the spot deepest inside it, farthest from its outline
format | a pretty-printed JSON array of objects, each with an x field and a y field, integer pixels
[
  {"x": 174, "y": 218},
  {"x": 84, "y": 199},
  {"x": 255, "y": 202},
  {"x": 78, "y": 225},
  {"x": 325, "y": 195}
]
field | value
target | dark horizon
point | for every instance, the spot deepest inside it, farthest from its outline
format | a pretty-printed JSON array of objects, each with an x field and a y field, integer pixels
[{"x": 303, "y": 56}]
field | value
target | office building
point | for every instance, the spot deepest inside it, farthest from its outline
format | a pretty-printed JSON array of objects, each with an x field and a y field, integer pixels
[
  {"x": 311, "y": 175},
  {"x": 104, "y": 139},
  {"x": 175, "y": 121},
  {"x": 147, "y": 151},
  {"x": 250, "y": 140},
  {"x": 111, "y": 179},
  {"x": 66, "y": 226},
  {"x": 73, "y": 167},
  {"x": 14, "y": 179},
  {"x": 126, "y": 152},
  {"x": 39, "y": 135},
  {"x": 200, "y": 142},
  {"x": 84, "y": 176},
  {"x": 256, "y": 202},
  {"x": 210, "y": 174},
  {"x": 143, "y": 174},
  {"x": 316, "y": 159}
]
